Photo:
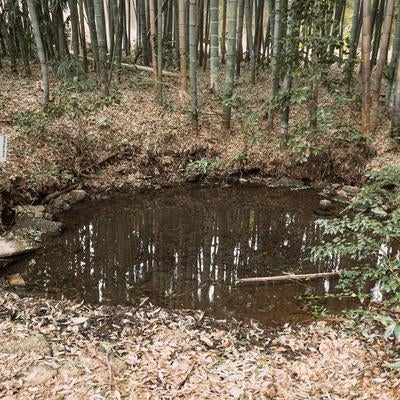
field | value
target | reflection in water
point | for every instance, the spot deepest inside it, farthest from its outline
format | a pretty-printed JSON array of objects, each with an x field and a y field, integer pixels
[{"x": 186, "y": 248}]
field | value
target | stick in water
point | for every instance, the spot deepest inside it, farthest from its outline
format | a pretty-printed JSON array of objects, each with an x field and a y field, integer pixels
[{"x": 290, "y": 277}]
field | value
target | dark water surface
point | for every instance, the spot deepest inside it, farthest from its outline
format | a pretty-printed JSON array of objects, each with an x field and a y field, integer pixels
[{"x": 185, "y": 248}]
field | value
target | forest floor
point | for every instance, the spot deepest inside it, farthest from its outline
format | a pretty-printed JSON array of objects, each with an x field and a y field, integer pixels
[
  {"x": 65, "y": 350},
  {"x": 128, "y": 140}
]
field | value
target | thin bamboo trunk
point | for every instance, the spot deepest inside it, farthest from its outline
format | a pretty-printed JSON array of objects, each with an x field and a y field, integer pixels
[
  {"x": 353, "y": 44},
  {"x": 101, "y": 39},
  {"x": 83, "y": 35},
  {"x": 153, "y": 38},
  {"x": 182, "y": 45},
  {"x": 207, "y": 35},
  {"x": 395, "y": 131},
  {"x": 159, "y": 51},
  {"x": 249, "y": 35},
  {"x": 230, "y": 62},
  {"x": 223, "y": 33},
  {"x": 275, "y": 59},
  {"x": 381, "y": 63},
  {"x": 193, "y": 63},
  {"x": 40, "y": 49},
  {"x": 287, "y": 82},
  {"x": 200, "y": 31},
  {"x": 366, "y": 67},
  {"x": 239, "y": 51},
  {"x": 93, "y": 33},
  {"x": 214, "y": 17},
  {"x": 73, "y": 8},
  {"x": 376, "y": 29}
]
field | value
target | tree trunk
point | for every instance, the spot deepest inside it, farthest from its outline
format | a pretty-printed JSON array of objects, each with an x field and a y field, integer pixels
[
  {"x": 230, "y": 62},
  {"x": 159, "y": 51},
  {"x": 385, "y": 38},
  {"x": 101, "y": 38},
  {"x": 93, "y": 33},
  {"x": 182, "y": 45},
  {"x": 22, "y": 41},
  {"x": 366, "y": 67},
  {"x": 223, "y": 34},
  {"x": 353, "y": 44},
  {"x": 200, "y": 23},
  {"x": 153, "y": 38},
  {"x": 119, "y": 35},
  {"x": 250, "y": 43},
  {"x": 376, "y": 28},
  {"x": 396, "y": 42},
  {"x": 83, "y": 35},
  {"x": 73, "y": 9},
  {"x": 239, "y": 52},
  {"x": 193, "y": 63},
  {"x": 40, "y": 49},
  {"x": 287, "y": 82},
  {"x": 214, "y": 16},
  {"x": 206, "y": 35},
  {"x": 395, "y": 131},
  {"x": 275, "y": 59}
]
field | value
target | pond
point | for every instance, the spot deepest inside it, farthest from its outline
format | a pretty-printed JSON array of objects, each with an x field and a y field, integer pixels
[{"x": 185, "y": 248}]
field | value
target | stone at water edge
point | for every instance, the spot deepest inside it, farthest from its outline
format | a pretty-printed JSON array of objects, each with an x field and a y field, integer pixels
[
  {"x": 44, "y": 226},
  {"x": 351, "y": 190},
  {"x": 15, "y": 279},
  {"x": 325, "y": 205},
  {"x": 15, "y": 247},
  {"x": 77, "y": 196},
  {"x": 288, "y": 182}
]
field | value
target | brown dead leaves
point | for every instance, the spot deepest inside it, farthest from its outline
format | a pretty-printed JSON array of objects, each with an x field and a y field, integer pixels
[{"x": 151, "y": 353}]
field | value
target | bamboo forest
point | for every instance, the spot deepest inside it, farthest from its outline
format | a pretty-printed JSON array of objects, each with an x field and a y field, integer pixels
[{"x": 200, "y": 199}]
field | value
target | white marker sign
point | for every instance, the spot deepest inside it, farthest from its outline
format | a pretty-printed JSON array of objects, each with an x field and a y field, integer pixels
[{"x": 3, "y": 147}]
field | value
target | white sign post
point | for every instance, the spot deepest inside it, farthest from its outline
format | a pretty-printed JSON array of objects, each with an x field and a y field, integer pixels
[{"x": 3, "y": 147}]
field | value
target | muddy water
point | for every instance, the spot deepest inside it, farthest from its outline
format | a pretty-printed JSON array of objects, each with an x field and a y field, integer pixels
[{"x": 185, "y": 248}]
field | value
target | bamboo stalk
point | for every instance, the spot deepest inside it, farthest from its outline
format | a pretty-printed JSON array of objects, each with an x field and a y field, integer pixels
[{"x": 290, "y": 277}]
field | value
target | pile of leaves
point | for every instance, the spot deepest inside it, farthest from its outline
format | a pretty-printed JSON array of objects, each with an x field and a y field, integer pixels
[{"x": 66, "y": 350}]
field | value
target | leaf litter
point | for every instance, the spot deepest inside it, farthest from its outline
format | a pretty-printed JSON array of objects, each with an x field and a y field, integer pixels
[{"x": 148, "y": 352}]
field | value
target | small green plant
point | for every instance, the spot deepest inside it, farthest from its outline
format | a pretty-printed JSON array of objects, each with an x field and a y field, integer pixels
[
  {"x": 205, "y": 165},
  {"x": 368, "y": 233}
]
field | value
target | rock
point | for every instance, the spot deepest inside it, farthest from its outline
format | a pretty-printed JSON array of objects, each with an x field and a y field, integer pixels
[
  {"x": 379, "y": 212},
  {"x": 329, "y": 191},
  {"x": 325, "y": 205},
  {"x": 65, "y": 201},
  {"x": 341, "y": 197},
  {"x": 44, "y": 226},
  {"x": 319, "y": 185},
  {"x": 15, "y": 247},
  {"x": 15, "y": 280},
  {"x": 58, "y": 202},
  {"x": 351, "y": 190},
  {"x": 288, "y": 182},
  {"x": 38, "y": 375},
  {"x": 102, "y": 121},
  {"x": 26, "y": 344},
  {"x": 32, "y": 211},
  {"x": 77, "y": 196}
]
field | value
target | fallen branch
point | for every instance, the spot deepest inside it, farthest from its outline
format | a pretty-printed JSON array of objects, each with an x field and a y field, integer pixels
[
  {"x": 147, "y": 69},
  {"x": 290, "y": 277},
  {"x": 142, "y": 303},
  {"x": 186, "y": 376}
]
